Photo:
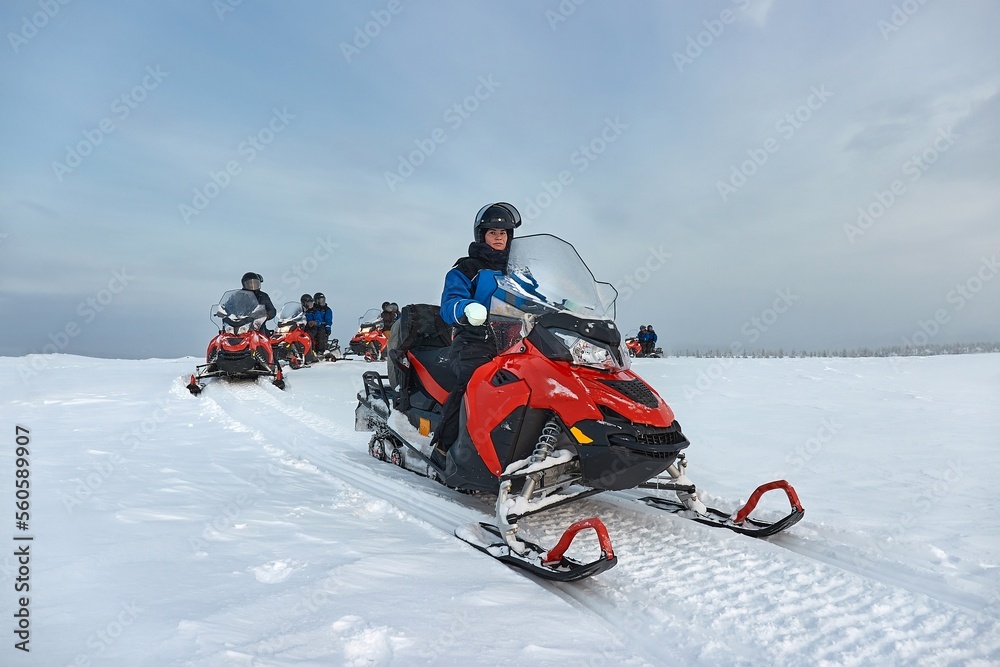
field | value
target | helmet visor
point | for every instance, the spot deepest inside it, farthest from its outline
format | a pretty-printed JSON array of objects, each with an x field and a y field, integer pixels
[
  {"x": 515, "y": 217},
  {"x": 251, "y": 284}
]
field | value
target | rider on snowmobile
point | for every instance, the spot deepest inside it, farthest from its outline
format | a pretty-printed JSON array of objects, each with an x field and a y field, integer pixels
[
  {"x": 323, "y": 317},
  {"x": 650, "y": 339},
  {"x": 306, "y": 301},
  {"x": 390, "y": 313},
  {"x": 465, "y": 299},
  {"x": 251, "y": 281}
]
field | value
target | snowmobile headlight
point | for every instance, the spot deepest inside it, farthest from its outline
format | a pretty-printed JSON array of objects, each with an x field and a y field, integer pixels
[
  {"x": 589, "y": 352},
  {"x": 243, "y": 329}
]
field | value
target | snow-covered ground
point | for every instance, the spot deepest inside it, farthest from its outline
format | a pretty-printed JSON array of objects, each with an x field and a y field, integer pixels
[{"x": 248, "y": 526}]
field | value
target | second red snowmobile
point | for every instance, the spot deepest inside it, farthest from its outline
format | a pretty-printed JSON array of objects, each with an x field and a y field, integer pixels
[
  {"x": 370, "y": 341},
  {"x": 634, "y": 347},
  {"x": 289, "y": 340},
  {"x": 241, "y": 349},
  {"x": 555, "y": 417}
]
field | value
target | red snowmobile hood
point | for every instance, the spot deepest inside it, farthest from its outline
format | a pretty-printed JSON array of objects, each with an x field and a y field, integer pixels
[{"x": 572, "y": 392}]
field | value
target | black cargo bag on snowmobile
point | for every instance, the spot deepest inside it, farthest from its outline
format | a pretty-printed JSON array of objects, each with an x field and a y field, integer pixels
[{"x": 418, "y": 328}]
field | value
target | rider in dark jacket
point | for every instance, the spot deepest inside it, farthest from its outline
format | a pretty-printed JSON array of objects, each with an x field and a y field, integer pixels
[
  {"x": 251, "y": 281},
  {"x": 465, "y": 302},
  {"x": 389, "y": 314}
]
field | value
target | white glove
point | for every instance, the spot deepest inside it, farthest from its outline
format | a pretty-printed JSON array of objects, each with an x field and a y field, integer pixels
[{"x": 475, "y": 313}]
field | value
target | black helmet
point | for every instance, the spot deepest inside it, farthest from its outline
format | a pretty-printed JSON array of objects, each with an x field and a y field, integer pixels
[
  {"x": 385, "y": 305},
  {"x": 394, "y": 307},
  {"x": 319, "y": 297},
  {"x": 500, "y": 215},
  {"x": 251, "y": 280},
  {"x": 306, "y": 298}
]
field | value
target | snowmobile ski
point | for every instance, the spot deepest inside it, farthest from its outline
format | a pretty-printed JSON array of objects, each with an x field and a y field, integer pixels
[
  {"x": 552, "y": 564},
  {"x": 740, "y": 520}
]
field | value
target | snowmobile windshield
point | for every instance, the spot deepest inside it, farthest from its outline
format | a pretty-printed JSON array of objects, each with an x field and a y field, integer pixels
[
  {"x": 548, "y": 284},
  {"x": 371, "y": 317},
  {"x": 545, "y": 274},
  {"x": 240, "y": 312},
  {"x": 291, "y": 313}
]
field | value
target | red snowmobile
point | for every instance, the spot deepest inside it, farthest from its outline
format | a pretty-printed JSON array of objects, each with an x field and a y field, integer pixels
[
  {"x": 289, "y": 340},
  {"x": 241, "y": 349},
  {"x": 556, "y": 416},
  {"x": 634, "y": 347},
  {"x": 371, "y": 341}
]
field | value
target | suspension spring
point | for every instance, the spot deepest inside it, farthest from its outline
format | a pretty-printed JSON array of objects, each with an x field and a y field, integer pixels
[{"x": 546, "y": 441}]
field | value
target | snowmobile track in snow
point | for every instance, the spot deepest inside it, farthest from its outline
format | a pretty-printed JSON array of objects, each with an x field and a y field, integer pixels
[{"x": 676, "y": 579}]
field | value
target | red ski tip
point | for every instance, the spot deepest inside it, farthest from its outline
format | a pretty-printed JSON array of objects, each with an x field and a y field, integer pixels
[
  {"x": 793, "y": 498},
  {"x": 555, "y": 555}
]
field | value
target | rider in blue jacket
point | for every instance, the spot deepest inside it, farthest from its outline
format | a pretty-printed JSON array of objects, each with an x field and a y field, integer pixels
[
  {"x": 465, "y": 302},
  {"x": 322, "y": 316},
  {"x": 650, "y": 339}
]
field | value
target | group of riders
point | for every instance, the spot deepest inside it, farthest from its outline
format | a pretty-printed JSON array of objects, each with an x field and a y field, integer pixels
[
  {"x": 318, "y": 315},
  {"x": 465, "y": 298},
  {"x": 647, "y": 339}
]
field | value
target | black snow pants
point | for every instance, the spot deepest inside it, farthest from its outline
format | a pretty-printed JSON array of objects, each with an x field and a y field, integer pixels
[
  {"x": 319, "y": 337},
  {"x": 471, "y": 348}
]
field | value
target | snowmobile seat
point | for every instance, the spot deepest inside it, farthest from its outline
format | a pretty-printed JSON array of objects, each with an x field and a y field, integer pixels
[
  {"x": 420, "y": 331},
  {"x": 437, "y": 361}
]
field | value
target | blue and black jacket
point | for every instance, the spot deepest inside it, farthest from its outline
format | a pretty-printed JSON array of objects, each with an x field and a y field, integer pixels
[
  {"x": 321, "y": 316},
  {"x": 473, "y": 278}
]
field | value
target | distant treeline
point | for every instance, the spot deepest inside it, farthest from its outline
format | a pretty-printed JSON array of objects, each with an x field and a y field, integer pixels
[{"x": 890, "y": 351}]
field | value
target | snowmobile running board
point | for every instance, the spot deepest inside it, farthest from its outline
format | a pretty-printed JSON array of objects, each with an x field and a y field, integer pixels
[
  {"x": 740, "y": 520},
  {"x": 553, "y": 564}
]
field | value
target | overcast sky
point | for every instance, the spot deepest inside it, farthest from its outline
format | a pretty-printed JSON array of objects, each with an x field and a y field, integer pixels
[{"x": 761, "y": 174}]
